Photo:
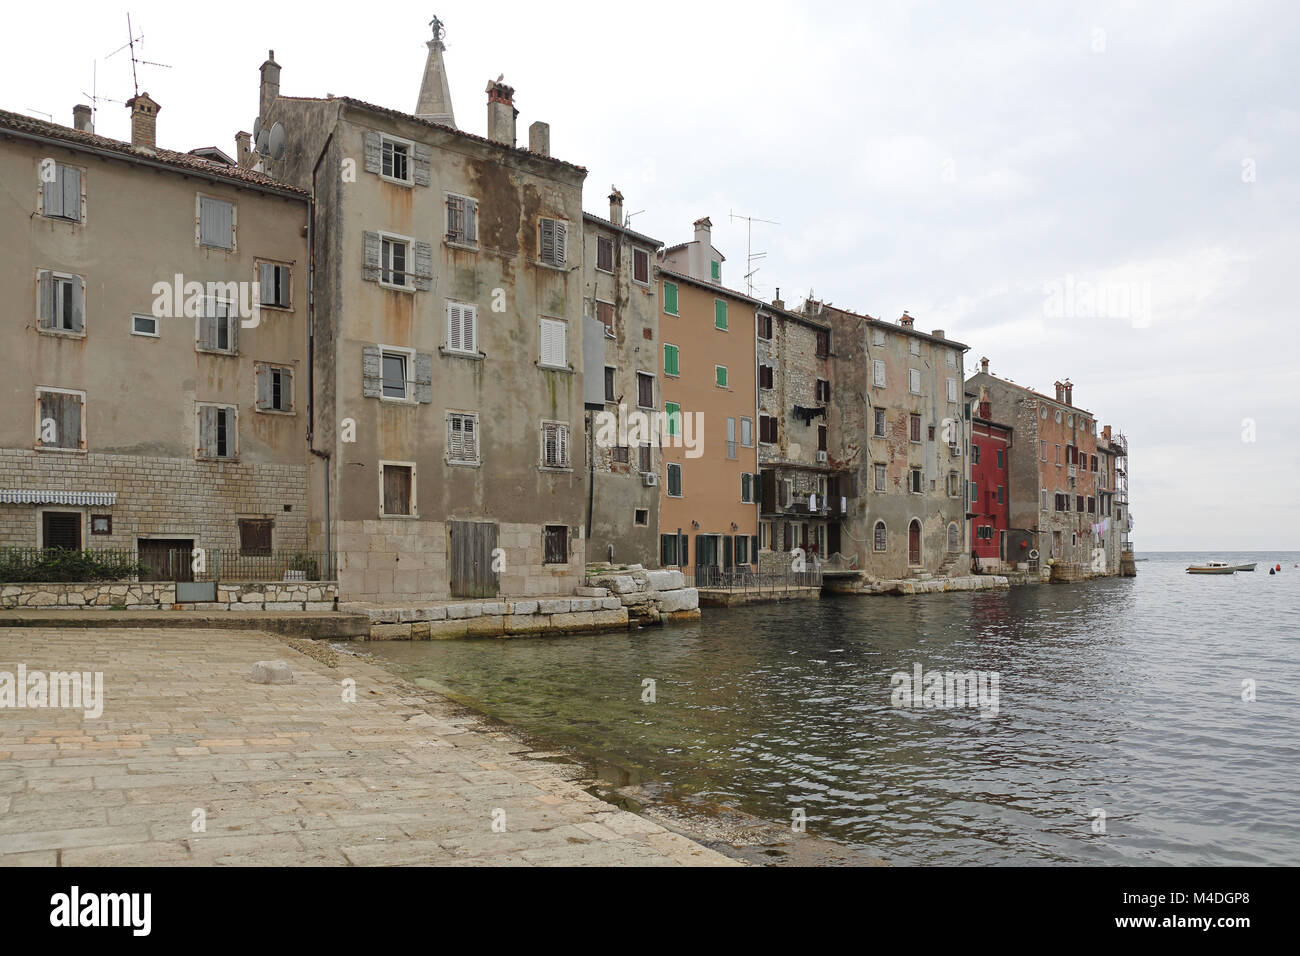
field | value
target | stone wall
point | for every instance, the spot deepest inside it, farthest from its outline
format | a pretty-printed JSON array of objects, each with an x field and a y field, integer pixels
[
  {"x": 650, "y": 597},
  {"x": 161, "y": 595},
  {"x": 495, "y": 618}
]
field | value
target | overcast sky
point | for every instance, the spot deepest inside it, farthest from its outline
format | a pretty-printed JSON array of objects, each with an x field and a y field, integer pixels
[{"x": 1104, "y": 191}]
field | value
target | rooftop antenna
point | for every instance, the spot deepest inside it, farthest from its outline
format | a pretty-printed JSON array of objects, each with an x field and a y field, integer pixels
[
  {"x": 750, "y": 255},
  {"x": 627, "y": 218},
  {"x": 131, "y": 41}
]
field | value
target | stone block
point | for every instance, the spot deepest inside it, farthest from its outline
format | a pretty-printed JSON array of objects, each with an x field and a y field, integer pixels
[
  {"x": 527, "y": 624},
  {"x": 561, "y": 606},
  {"x": 440, "y": 630},
  {"x": 488, "y": 625},
  {"x": 272, "y": 672},
  {"x": 523, "y": 607},
  {"x": 666, "y": 580},
  {"x": 682, "y": 599},
  {"x": 390, "y": 632},
  {"x": 591, "y": 592}
]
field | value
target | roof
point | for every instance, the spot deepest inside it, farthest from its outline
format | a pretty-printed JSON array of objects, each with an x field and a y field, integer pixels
[
  {"x": 1030, "y": 391},
  {"x": 683, "y": 245},
  {"x": 895, "y": 327},
  {"x": 181, "y": 162},
  {"x": 604, "y": 223},
  {"x": 701, "y": 283}
]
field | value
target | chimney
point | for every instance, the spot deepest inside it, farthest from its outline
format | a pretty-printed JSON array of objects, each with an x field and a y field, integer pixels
[
  {"x": 501, "y": 112},
  {"x": 1060, "y": 392},
  {"x": 984, "y": 365},
  {"x": 81, "y": 118},
  {"x": 906, "y": 320},
  {"x": 144, "y": 121},
  {"x": 1105, "y": 433},
  {"x": 937, "y": 333},
  {"x": 244, "y": 150},
  {"x": 615, "y": 206},
  {"x": 270, "y": 88},
  {"x": 539, "y": 138},
  {"x": 1069, "y": 392},
  {"x": 700, "y": 265},
  {"x": 778, "y": 302}
]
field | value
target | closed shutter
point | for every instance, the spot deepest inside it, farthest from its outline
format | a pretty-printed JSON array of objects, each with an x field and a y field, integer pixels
[
  {"x": 232, "y": 323},
  {"x": 550, "y": 446},
  {"x": 747, "y": 432},
  {"x": 469, "y": 438},
  {"x": 216, "y": 223},
  {"x": 374, "y": 152},
  {"x": 71, "y": 192},
  {"x": 554, "y": 348},
  {"x": 455, "y": 219},
  {"x": 456, "y": 327},
  {"x": 878, "y": 373},
  {"x": 670, "y": 360},
  {"x": 554, "y": 242},
  {"x": 266, "y": 289},
  {"x": 670, "y": 298},
  {"x": 423, "y": 378},
  {"x": 264, "y": 388},
  {"x": 372, "y": 376},
  {"x": 207, "y": 431},
  {"x": 471, "y": 221},
  {"x": 77, "y": 314},
  {"x": 45, "y": 298},
  {"x": 370, "y": 257},
  {"x": 421, "y": 157},
  {"x": 561, "y": 243},
  {"x": 423, "y": 266},
  {"x": 914, "y": 380},
  {"x": 52, "y": 195},
  {"x": 397, "y": 490},
  {"x": 719, "y": 314}
]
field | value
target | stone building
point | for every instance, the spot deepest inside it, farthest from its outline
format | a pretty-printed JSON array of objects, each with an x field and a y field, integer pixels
[
  {"x": 802, "y": 497},
  {"x": 447, "y": 341},
  {"x": 897, "y": 407},
  {"x": 1062, "y": 503},
  {"x": 990, "y": 486},
  {"x": 623, "y": 370},
  {"x": 155, "y": 374}
]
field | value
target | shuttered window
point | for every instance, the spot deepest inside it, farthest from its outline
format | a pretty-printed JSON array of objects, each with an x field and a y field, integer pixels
[
  {"x": 952, "y": 390},
  {"x": 670, "y": 298},
  {"x": 396, "y": 160},
  {"x": 765, "y": 376},
  {"x": 392, "y": 261},
  {"x": 767, "y": 429},
  {"x": 605, "y": 314},
  {"x": 398, "y": 482},
  {"x": 746, "y": 488},
  {"x": 764, "y": 326},
  {"x": 273, "y": 284},
  {"x": 878, "y": 373},
  {"x": 715, "y": 270},
  {"x": 555, "y": 445},
  {"x": 879, "y": 537},
  {"x": 462, "y": 327},
  {"x": 673, "y": 418},
  {"x": 641, "y": 266},
  {"x": 218, "y": 329},
  {"x": 914, "y": 381},
  {"x": 274, "y": 388},
  {"x": 878, "y": 415},
  {"x": 643, "y": 459},
  {"x": 462, "y": 438},
  {"x": 61, "y": 192},
  {"x": 255, "y": 536},
  {"x": 61, "y": 300},
  {"x": 554, "y": 350},
  {"x": 556, "y": 541},
  {"x": 462, "y": 220},
  {"x": 59, "y": 417},
  {"x": 609, "y": 383},
  {"x": 604, "y": 253},
  {"x": 216, "y": 223},
  {"x": 877, "y": 336},
  {"x": 645, "y": 390},
  {"x": 823, "y": 343},
  {"x": 671, "y": 356},
  {"x": 674, "y": 480},
  {"x": 914, "y": 427},
  {"x": 218, "y": 435},
  {"x": 916, "y": 481},
  {"x": 720, "y": 375},
  {"x": 879, "y": 471},
  {"x": 719, "y": 314},
  {"x": 747, "y": 432},
  {"x": 554, "y": 242}
]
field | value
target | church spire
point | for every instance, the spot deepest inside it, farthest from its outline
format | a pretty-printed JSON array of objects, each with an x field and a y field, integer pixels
[{"x": 435, "y": 96}]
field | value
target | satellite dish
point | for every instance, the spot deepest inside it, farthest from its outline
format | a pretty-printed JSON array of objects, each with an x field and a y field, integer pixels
[
  {"x": 262, "y": 137},
  {"x": 276, "y": 141},
  {"x": 257, "y": 127}
]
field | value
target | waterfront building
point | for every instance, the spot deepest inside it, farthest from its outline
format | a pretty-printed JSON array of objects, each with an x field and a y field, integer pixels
[
  {"x": 709, "y": 500},
  {"x": 622, "y": 379},
  {"x": 155, "y": 364},
  {"x": 990, "y": 486},
  {"x": 448, "y": 343}
]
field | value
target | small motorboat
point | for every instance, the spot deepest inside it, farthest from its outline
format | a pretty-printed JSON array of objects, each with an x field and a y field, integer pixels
[
  {"x": 1212, "y": 567},
  {"x": 1244, "y": 567}
]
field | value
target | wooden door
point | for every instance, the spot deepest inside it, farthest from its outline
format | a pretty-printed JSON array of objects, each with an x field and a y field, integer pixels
[
  {"x": 470, "y": 548},
  {"x": 914, "y": 543}
]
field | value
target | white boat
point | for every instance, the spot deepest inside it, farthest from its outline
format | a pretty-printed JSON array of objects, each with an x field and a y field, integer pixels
[
  {"x": 1212, "y": 567},
  {"x": 1244, "y": 567}
]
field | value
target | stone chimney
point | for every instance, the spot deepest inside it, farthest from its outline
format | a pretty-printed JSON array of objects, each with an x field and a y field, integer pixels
[
  {"x": 984, "y": 365},
  {"x": 615, "y": 206},
  {"x": 906, "y": 320},
  {"x": 937, "y": 333},
  {"x": 244, "y": 149},
  {"x": 434, "y": 103},
  {"x": 270, "y": 88},
  {"x": 702, "y": 251},
  {"x": 1069, "y": 392},
  {"x": 1060, "y": 392},
  {"x": 501, "y": 112},
  {"x": 144, "y": 121},
  {"x": 81, "y": 118},
  {"x": 1105, "y": 433},
  {"x": 778, "y": 302},
  {"x": 539, "y": 138}
]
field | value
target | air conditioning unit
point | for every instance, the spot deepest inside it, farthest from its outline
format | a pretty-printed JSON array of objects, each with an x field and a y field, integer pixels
[
  {"x": 821, "y": 458},
  {"x": 649, "y": 479},
  {"x": 954, "y": 450}
]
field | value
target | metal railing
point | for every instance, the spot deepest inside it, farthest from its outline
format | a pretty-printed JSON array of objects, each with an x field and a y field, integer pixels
[
  {"x": 747, "y": 579},
  {"x": 127, "y": 564}
]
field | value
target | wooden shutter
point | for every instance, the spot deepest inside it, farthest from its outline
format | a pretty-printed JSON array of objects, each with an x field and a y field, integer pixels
[
  {"x": 52, "y": 195},
  {"x": 469, "y": 438},
  {"x": 207, "y": 431},
  {"x": 561, "y": 243},
  {"x": 424, "y": 378},
  {"x": 914, "y": 380},
  {"x": 670, "y": 360},
  {"x": 719, "y": 314},
  {"x": 71, "y": 177},
  {"x": 456, "y": 327},
  {"x": 455, "y": 219},
  {"x": 372, "y": 372},
  {"x": 423, "y": 266},
  {"x": 554, "y": 350},
  {"x": 374, "y": 152},
  {"x": 420, "y": 160},
  {"x": 397, "y": 490},
  {"x": 670, "y": 298},
  {"x": 370, "y": 257},
  {"x": 232, "y": 323},
  {"x": 264, "y": 387},
  {"x": 216, "y": 222},
  {"x": 45, "y": 298},
  {"x": 878, "y": 373}
]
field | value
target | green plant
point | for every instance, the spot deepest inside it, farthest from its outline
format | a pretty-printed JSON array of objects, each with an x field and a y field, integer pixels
[
  {"x": 298, "y": 561},
  {"x": 19, "y": 565}
]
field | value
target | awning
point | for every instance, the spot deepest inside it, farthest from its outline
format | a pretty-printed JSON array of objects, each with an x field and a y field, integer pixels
[{"x": 10, "y": 496}]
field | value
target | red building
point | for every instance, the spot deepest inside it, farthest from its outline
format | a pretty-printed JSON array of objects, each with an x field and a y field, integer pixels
[{"x": 990, "y": 487}]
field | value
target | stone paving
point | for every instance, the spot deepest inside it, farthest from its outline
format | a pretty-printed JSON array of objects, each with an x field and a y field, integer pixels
[{"x": 285, "y": 774}]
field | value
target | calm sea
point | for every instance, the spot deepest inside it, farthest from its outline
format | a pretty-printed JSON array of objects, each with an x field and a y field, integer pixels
[{"x": 1119, "y": 708}]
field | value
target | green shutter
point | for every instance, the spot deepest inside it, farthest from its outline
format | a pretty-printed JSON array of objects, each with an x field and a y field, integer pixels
[
  {"x": 674, "y": 413},
  {"x": 670, "y": 360},
  {"x": 719, "y": 314},
  {"x": 670, "y": 298},
  {"x": 717, "y": 270},
  {"x": 721, "y": 372}
]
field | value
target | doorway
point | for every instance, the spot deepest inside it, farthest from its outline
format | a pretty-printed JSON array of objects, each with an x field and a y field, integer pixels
[{"x": 914, "y": 543}]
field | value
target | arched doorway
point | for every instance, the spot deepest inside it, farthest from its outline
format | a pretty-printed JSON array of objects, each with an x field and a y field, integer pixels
[{"x": 914, "y": 543}]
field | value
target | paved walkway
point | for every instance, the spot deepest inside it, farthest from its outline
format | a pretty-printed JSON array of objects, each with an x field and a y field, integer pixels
[{"x": 284, "y": 775}]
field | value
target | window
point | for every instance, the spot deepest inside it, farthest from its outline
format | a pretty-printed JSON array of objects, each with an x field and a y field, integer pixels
[
  {"x": 620, "y": 454},
  {"x": 1058, "y": 416},
  {"x": 823, "y": 390},
  {"x": 671, "y": 366},
  {"x": 1092, "y": 503},
  {"x": 62, "y": 305},
  {"x": 1058, "y": 455},
  {"x": 879, "y": 422},
  {"x": 61, "y": 194},
  {"x": 821, "y": 438},
  {"x": 670, "y": 298},
  {"x": 954, "y": 537},
  {"x": 668, "y": 549},
  {"x": 274, "y": 388},
  {"x": 719, "y": 314},
  {"x": 218, "y": 431},
  {"x": 1078, "y": 503},
  {"x": 394, "y": 374},
  {"x": 60, "y": 419},
  {"x": 715, "y": 270},
  {"x": 974, "y": 492},
  {"x": 914, "y": 427},
  {"x": 462, "y": 438},
  {"x": 397, "y": 488},
  {"x": 1043, "y": 450},
  {"x": 674, "y": 480},
  {"x": 641, "y": 517},
  {"x": 462, "y": 328},
  {"x": 746, "y": 488},
  {"x": 273, "y": 284},
  {"x": 1092, "y": 462},
  {"x": 878, "y": 373},
  {"x": 916, "y": 481},
  {"x": 1043, "y": 503},
  {"x": 765, "y": 376},
  {"x": 101, "y": 524},
  {"x": 1042, "y": 412},
  {"x": 255, "y": 536},
  {"x": 950, "y": 358},
  {"x": 879, "y": 537},
  {"x": 879, "y": 471},
  {"x": 764, "y": 325},
  {"x": 392, "y": 261},
  {"x": 1000, "y": 458},
  {"x": 1069, "y": 420},
  {"x": 952, "y": 390},
  {"x": 553, "y": 244},
  {"x": 142, "y": 324},
  {"x": 673, "y": 418},
  {"x": 641, "y": 266},
  {"x": 462, "y": 220},
  {"x": 604, "y": 253},
  {"x": 645, "y": 390},
  {"x": 556, "y": 540},
  {"x": 555, "y": 445},
  {"x": 914, "y": 381},
  {"x": 742, "y": 549},
  {"x": 609, "y": 383},
  {"x": 554, "y": 349},
  {"x": 720, "y": 375},
  {"x": 974, "y": 454},
  {"x": 954, "y": 485},
  {"x": 929, "y": 432},
  {"x": 877, "y": 336},
  {"x": 643, "y": 459},
  {"x": 767, "y": 429},
  {"x": 1000, "y": 492},
  {"x": 61, "y": 529},
  {"x": 914, "y": 346},
  {"x": 747, "y": 432},
  {"x": 218, "y": 327},
  {"x": 605, "y": 315},
  {"x": 823, "y": 343},
  {"x": 216, "y": 223},
  {"x": 396, "y": 160}
]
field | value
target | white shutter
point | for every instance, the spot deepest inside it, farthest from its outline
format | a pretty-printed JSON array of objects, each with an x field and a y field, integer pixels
[
  {"x": 914, "y": 380},
  {"x": 561, "y": 243},
  {"x": 469, "y": 327},
  {"x": 469, "y": 438},
  {"x": 563, "y": 443},
  {"x": 455, "y": 449},
  {"x": 878, "y": 370},
  {"x": 553, "y": 343},
  {"x": 455, "y": 327},
  {"x": 71, "y": 192},
  {"x": 952, "y": 390}
]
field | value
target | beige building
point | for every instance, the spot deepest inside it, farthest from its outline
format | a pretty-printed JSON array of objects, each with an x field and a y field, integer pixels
[
  {"x": 154, "y": 374},
  {"x": 448, "y": 344}
]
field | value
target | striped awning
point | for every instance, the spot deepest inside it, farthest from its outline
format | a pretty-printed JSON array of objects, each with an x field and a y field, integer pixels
[{"x": 22, "y": 496}]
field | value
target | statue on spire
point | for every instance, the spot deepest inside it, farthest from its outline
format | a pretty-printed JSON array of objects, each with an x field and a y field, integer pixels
[{"x": 439, "y": 30}]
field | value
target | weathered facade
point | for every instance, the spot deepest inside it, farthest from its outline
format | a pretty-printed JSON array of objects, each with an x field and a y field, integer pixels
[
  {"x": 448, "y": 346},
  {"x": 154, "y": 375},
  {"x": 623, "y": 380},
  {"x": 897, "y": 400},
  {"x": 990, "y": 487}
]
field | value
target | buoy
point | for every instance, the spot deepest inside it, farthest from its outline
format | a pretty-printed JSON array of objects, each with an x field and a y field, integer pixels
[{"x": 1279, "y": 567}]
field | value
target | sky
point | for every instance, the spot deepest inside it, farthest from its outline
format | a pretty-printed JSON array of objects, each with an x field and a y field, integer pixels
[{"x": 1108, "y": 192}]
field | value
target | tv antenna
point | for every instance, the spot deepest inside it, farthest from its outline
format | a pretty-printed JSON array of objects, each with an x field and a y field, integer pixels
[
  {"x": 750, "y": 255},
  {"x": 627, "y": 219},
  {"x": 131, "y": 41}
]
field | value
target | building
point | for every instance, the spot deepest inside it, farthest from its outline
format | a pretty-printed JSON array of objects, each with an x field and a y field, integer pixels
[
  {"x": 623, "y": 383},
  {"x": 447, "y": 342},
  {"x": 155, "y": 371},
  {"x": 708, "y": 509},
  {"x": 1062, "y": 507},
  {"x": 990, "y": 487},
  {"x": 896, "y": 406},
  {"x": 802, "y": 498}
]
